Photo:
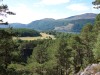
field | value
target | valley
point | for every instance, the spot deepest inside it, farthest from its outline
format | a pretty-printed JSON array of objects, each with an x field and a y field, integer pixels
[{"x": 49, "y": 37}]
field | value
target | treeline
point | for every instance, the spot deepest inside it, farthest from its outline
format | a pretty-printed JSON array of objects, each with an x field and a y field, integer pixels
[
  {"x": 60, "y": 34},
  {"x": 66, "y": 55},
  {"x": 22, "y": 32}
]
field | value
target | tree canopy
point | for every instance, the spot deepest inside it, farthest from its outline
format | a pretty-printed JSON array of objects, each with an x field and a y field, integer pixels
[
  {"x": 4, "y": 11},
  {"x": 96, "y": 3}
]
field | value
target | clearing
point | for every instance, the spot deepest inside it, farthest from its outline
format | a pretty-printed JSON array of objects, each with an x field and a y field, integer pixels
[{"x": 43, "y": 36}]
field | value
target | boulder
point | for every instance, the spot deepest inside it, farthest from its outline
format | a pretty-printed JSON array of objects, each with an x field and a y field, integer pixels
[{"x": 93, "y": 69}]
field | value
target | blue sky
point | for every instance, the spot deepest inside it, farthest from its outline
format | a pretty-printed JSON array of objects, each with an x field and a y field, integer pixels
[{"x": 30, "y": 10}]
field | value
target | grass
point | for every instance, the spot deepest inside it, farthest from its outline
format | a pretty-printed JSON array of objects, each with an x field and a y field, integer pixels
[{"x": 43, "y": 36}]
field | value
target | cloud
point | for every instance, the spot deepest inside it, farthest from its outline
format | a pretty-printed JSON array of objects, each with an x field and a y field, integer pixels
[
  {"x": 78, "y": 7},
  {"x": 54, "y": 2},
  {"x": 23, "y": 14}
]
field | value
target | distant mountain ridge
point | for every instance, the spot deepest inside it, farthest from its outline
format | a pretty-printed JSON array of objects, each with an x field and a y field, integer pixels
[
  {"x": 14, "y": 25},
  {"x": 82, "y": 16},
  {"x": 78, "y": 22},
  {"x": 18, "y": 25},
  {"x": 70, "y": 24}
]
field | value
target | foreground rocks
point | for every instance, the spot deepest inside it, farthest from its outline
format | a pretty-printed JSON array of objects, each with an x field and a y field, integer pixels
[{"x": 93, "y": 69}]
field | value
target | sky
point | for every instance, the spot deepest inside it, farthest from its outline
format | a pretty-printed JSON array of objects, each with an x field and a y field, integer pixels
[{"x": 31, "y": 10}]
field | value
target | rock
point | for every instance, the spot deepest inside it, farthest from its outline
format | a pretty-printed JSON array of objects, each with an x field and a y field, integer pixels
[
  {"x": 93, "y": 69},
  {"x": 98, "y": 73}
]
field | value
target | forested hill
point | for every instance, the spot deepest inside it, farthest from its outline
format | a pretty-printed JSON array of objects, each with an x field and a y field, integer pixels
[
  {"x": 70, "y": 24},
  {"x": 83, "y": 16},
  {"x": 78, "y": 22}
]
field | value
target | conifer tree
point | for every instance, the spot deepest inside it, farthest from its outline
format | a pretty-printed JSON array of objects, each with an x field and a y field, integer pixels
[
  {"x": 96, "y": 49},
  {"x": 96, "y": 3},
  {"x": 4, "y": 11},
  {"x": 77, "y": 53},
  {"x": 64, "y": 58},
  {"x": 6, "y": 42},
  {"x": 96, "y": 27},
  {"x": 86, "y": 36},
  {"x": 39, "y": 57}
]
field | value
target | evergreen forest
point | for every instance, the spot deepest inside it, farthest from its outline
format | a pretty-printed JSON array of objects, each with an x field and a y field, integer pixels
[{"x": 68, "y": 54}]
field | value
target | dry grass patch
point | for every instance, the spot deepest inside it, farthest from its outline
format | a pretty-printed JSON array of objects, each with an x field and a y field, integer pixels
[{"x": 43, "y": 36}]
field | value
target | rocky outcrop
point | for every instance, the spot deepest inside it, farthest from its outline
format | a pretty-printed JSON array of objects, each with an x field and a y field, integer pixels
[{"x": 93, "y": 69}]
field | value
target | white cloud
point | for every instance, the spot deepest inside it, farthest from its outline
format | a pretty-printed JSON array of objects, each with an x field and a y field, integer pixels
[
  {"x": 23, "y": 14},
  {"x": 38, "y": 5},
  {"x": 26, "y": 14},
  {"x": 54, "y": 2},
  {"x": 78, "y": 7}
]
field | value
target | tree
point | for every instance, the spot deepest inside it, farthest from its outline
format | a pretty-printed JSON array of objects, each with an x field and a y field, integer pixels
[
  {"x": 96, "y": 49},
  {"x": 6, "y": 48},
  {"x": 64, "y": 55},
  {"x": 87, "y": 39},
  {"x": 77, "y": 53},
  {"x": 6, "y": 42},
  {"x": 39, "y": 58},
  {"x": 96, "y": 29},
  {"x": 4, "y": 11},
  {"x": 40, "y": 55},
  {"x": 96, "y": 3},
  {"x": 86, "y": 34}
]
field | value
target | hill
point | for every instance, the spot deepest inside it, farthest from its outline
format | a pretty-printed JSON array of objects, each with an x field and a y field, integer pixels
[
  {"x": 18, "y": 25},
  {"x": 74, "y": 25},
  {"x": 70, "y": 24},
  {"x": 43, "y": 24},
  {"x": 82, "y": 16},
  {"x": 14, "y": 25}
]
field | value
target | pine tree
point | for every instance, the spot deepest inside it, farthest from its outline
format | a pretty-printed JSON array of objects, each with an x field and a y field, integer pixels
[
  {"x": 6, "y": 49},
  {"x": 39, "y": 57},
  {"x": 95, "y": 30},
  {"x": 96, "y": 49},
  {"x": 77, "y": 53},
  {"x": 87, "y": 39},
  {"x": 4, "y": 11},
  {"x": 6, "y": 42},
  {"x": 96, "y": 27},
  {"x": 96, "y": 3},
  {"x": 64, "y": 58}
]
